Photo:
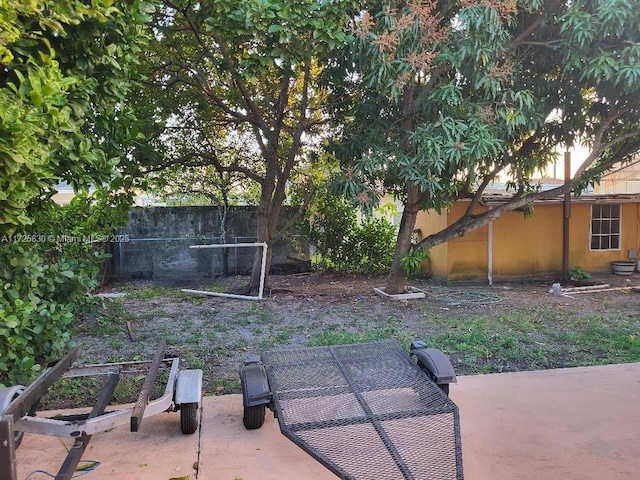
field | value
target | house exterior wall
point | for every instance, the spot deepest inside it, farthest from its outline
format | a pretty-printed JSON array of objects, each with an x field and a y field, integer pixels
[
  {"x": 528, "y": 245},
  {"x": 622, "y": 178},
  {"x": 525, "y": 246},
  {"x": 599, "y": 261}
]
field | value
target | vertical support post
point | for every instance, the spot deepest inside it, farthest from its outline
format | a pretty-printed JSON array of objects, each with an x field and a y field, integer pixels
[
  {"x": 8, "y": 469},
  {"x": 490, "y": 253},
  {"x": 566, "y": 216},
  {"x": 263, "y": 270},
  {"x": 120, "y": 260}
]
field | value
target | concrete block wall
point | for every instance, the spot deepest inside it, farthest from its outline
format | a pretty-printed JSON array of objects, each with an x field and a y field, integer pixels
[{"x": 156, "y": 244}]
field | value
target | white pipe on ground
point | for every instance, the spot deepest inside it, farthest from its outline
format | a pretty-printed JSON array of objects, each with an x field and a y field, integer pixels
[{"x": 263, "y": 270}]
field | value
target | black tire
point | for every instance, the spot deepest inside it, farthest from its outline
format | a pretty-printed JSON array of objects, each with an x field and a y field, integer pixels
[
  {"x": 443, "y": 386},
  {"x": 253, "y": 417},
  {"x": 188, "y": 418}
]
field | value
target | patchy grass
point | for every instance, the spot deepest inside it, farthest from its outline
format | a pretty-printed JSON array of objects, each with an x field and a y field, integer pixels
[
  {"x": 339, "y": 335},
  {"x": 79, "y": 392},
  {"x": 537, "y": 340},
  {"x": 112, "y": 319},
  {"x": 84, "y": 391},
  {"x": 597, "y": 340},
  {"x": 150, "y": 291},
  {"x": 478, "y": 345},
  {"x": 526, "y": 329}
]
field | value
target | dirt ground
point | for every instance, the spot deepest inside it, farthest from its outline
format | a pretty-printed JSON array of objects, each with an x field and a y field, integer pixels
[{"x": 482, "y": 328}]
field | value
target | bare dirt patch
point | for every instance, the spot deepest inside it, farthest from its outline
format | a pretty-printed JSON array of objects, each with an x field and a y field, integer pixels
[{"x": 504, "y": 327}]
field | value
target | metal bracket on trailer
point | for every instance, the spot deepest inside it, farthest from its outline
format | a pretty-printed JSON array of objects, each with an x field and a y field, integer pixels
[
  {"x": 8, "y": 470},
  {"x": 76, "y": 451},
  {"x": 143, "y": 398},
  {"x": 39, "y": 386}
]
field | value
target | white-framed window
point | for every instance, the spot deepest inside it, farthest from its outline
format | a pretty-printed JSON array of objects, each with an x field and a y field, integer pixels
[{"x": 605, "y": 227}]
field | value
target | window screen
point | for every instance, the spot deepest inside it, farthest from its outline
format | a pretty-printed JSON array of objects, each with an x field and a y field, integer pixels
[{"x": 605, "y": 227}]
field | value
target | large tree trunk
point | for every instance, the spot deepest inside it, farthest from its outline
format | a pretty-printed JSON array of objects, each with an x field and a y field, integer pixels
[
  {"x": 269, "y": 207},
  {"x": 397, "y": 279}
]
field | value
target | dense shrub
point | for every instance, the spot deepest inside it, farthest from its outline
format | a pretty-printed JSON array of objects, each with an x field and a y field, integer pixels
[
  {"x": 42, "y": 291},
  {"x": 46, "y": 274},
  {"x": 412, "y": 261},
  {"x": 66, "y": 68},
  {"x": 372, "y": 243},
  {"x": 345, "y": 243}
]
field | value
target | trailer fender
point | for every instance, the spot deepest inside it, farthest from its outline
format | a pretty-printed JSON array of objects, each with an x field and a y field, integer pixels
[
  {"x": 8, "y": 395},
  {"x": 188, "y": 387},
  {"x": 435, "y": 362},
  {"x": 255, "y": 385}
]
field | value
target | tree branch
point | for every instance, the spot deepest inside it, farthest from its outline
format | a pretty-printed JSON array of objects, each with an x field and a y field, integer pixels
[
  {"x": 537, "y": 22},
  {"x": 299, "y": 213},
  {"x": 598, "y": 147},
  {"x": 483, "y": 186},
  {"x": 182, "y": 160},
  {"x": 550, "y": 44},
  {"x": 244, "y": 91}
]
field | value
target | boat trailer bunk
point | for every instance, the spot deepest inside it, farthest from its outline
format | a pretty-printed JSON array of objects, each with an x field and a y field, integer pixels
[
  {"x": 365, "y": 411},
  {"x": 19, "y": 405}
]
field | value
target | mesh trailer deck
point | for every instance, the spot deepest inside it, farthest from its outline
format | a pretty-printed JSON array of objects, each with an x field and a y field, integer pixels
[{"x": 365, "y": 411}]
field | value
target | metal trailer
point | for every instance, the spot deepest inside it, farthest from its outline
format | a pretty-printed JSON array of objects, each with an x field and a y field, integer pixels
[
  {"x": 19, "y": 404},
  {"x": 365, "y": 411}
]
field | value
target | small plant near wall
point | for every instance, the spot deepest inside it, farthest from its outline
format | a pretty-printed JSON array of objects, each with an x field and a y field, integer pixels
[
  {"x": 578, "y": 273},
  {"x": 412, "y": 261}
]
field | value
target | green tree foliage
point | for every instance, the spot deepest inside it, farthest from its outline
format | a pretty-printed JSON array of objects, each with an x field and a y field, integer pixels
[
  {"x": 237, "y": 86},
  {"x": 345, "y": 243},
  {"x": 46, "y": 277},
  {"x": 451, "y": 94},
  {"x": 65, "y": 68}
]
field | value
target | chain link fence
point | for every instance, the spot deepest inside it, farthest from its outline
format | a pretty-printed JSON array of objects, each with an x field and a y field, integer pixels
[{"x": 170, "y": 261}]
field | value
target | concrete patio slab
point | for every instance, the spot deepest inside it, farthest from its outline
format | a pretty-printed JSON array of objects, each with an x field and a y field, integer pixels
[
  {"x": 577, "y": 423},
  {"x": 157, "y": 451},
  {"x": 569, "y": 424}
]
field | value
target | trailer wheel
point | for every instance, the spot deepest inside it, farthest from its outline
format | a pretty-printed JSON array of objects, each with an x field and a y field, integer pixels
[
  {"x": 188, "y": 418},
  {"x": 6, "y": 398},
  {"x": 253, "y": 417}
]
